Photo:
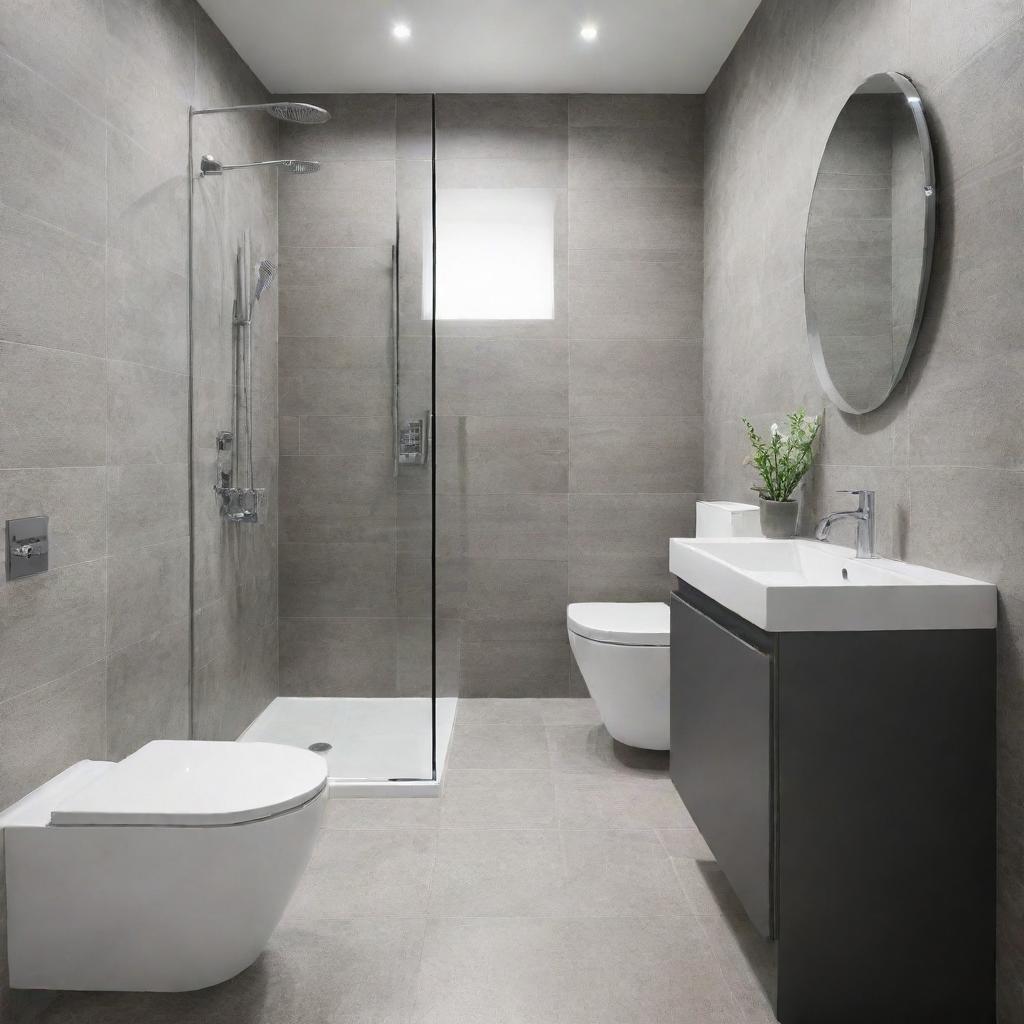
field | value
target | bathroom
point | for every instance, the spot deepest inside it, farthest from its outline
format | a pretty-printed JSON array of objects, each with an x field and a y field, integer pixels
[{"x": 386, "y": 445}]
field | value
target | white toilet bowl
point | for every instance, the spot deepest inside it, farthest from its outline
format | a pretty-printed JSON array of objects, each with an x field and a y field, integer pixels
[
  {"x": 622, "y": 651},
  {"x": 164, "y": 872}
]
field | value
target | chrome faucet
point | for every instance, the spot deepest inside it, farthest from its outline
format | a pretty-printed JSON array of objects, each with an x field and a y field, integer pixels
[{"x": 863, "y": 514}]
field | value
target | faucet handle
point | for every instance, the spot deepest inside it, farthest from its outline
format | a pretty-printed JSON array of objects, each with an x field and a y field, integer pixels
[{"x": 865, "y": 498}]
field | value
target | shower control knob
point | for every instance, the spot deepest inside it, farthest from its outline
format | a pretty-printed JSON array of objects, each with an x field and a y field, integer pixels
[{"x": 36, "y": 547}]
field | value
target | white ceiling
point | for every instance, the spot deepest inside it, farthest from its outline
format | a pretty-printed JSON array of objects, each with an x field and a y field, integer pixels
[{"x": 483, "y": 45}]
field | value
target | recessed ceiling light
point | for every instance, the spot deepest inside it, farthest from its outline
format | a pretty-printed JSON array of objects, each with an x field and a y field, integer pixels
[
  {"x": 588, "y": 32},
  {"x": 400, "y": 30}
]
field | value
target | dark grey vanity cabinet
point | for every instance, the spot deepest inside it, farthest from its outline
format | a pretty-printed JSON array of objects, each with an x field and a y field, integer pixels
[{"x": 845, "y": 783}]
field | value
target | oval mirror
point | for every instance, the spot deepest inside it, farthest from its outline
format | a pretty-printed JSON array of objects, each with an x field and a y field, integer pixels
[{"x": 868, "y": 249}]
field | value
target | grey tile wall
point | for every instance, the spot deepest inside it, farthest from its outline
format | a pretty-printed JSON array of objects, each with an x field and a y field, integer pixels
[
  {"x": 236, "y": 567},
  {"x": 93, "y": 359},
  {"x": 340, "y": 629},
  {"x": 944, "y": 453},
  {"x": 570, "y": 450}
]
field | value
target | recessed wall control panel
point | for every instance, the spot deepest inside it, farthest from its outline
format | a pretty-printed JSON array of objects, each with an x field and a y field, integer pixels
[{"x": 28, "y": 546}]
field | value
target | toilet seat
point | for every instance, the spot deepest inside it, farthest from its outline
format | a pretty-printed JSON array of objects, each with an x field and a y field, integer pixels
[
  {"x": 196, "y": 783},
  {"x": 642, "y": 624}
]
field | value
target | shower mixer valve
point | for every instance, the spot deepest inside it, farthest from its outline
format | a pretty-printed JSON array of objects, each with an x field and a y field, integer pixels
[{"x": 237, "y": 504}]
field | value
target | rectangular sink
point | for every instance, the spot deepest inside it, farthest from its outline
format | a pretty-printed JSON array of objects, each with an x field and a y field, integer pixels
[{"x": 807, "y": 586}]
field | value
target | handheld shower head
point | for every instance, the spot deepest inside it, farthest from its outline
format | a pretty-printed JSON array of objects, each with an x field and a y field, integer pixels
[{"x": 265, "y": 274}]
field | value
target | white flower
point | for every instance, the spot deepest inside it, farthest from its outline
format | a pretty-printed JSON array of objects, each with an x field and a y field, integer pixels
[{"x": 775, "y": 430}]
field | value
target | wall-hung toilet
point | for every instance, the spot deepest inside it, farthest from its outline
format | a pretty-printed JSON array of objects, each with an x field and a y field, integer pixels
[
  {"x": 622, "y": 653},
  {"x": 622, "y": 650},
  {"x": 164, "y": 872}
]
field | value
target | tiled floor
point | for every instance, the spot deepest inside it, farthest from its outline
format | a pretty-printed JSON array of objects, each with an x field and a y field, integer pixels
[{"x": 558, "y": 880}]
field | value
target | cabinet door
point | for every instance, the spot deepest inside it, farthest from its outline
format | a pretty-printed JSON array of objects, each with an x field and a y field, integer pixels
[{"x": 721, "y": 717}]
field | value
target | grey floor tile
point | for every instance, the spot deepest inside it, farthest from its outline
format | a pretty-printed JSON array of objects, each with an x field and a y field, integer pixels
[
  {"x": 603, "y": 801},
  {"x": 568, "y": 711},
  {"x": 498, "y": 799},
  {"x": 372, "y": 873},
  {"x": 707, "y": 889},
  {"x": 382, "y": 812},
  {"x": 337, "y": 972},
  {"x": 500, "y": 711},
  {"x": 499, "y": 746},
  {"x": 498, "y": 873},
  {"x": 499, "y": 971},
  {"x": 748, "y": 963},
  {"x": 655, "y": 970},
  {"x": 590, "y": 748},
  {"x": 685, "y": 843},
  {"x": 619, "y": 874}
]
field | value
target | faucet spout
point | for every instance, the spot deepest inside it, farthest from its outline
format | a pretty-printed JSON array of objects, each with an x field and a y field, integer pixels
[{"x": 863, "y": 515}]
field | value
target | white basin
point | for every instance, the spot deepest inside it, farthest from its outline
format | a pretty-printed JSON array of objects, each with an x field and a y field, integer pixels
[{"x": 805, "y": 585}]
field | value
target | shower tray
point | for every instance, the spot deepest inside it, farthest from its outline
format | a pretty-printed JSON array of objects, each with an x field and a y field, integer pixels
[{"x": 376, "y": 746}]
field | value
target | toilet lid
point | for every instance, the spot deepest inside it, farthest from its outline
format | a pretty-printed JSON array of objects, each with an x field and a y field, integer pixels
[
  {"x": 196, "y": 782},
  {"x": 643, "y": 624}
]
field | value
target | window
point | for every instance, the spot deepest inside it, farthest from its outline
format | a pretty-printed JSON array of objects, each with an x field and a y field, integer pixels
[{"x": 495, "y": 255}]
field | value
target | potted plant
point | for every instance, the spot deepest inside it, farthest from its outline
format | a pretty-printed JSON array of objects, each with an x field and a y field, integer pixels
[{"x": 782, "y": 461}]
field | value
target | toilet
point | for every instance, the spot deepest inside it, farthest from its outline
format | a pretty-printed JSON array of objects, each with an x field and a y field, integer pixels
[
  {"x": 622, "y": 649},
  {"x": 164, "y": 872}
]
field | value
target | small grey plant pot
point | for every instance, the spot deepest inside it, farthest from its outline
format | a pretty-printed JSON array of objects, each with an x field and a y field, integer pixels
[{"x": 778, "y": 518}]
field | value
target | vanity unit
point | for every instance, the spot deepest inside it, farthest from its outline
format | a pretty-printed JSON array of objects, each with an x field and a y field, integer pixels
[{"x": 833, "y": 736}]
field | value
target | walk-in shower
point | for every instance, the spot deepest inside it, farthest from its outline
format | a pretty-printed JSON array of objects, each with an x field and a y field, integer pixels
[{"x": 312, "y": 451}]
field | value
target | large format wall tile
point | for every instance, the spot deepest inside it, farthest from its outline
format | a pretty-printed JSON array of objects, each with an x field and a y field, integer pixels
[
  {"x": 332, "y": 292},
  {"x": 338, "y": 580},
  {"x": 151, "y": 72},
  {"x": 147, "y": 313},
  {"x": 634, "y": 378},
  {"x": 147, "y": 691},
  {"x": 650, "y": 454},
  {"x": 344, "y": 204},
  {"x": 147, "y": 590},
  {"x": 338, "y": 657},
  {"x": 47, "y": 272},
  {"x": 503, "y": 377},
  {"x": 634, "y": 294},
  {"x": 147, "y": 204},
  {"x": 52, "y": 624},
  {"x": 53, "y": 408},
  {"x": 146, "y": 415},
  {"x": 52, "y": 157},
  {"x": 502, "y": 455},
  {"x": 70, "y": 59},
  {"x": 51, "y": 727}
]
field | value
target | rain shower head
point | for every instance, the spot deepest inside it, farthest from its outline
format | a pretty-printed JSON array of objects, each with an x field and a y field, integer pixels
[
  {"x": 296, "y": 113},
  {"x": 209, "y": 165}
]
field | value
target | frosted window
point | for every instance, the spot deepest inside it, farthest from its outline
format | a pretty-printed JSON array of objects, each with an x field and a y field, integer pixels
[{"x": 495, "y": 255}]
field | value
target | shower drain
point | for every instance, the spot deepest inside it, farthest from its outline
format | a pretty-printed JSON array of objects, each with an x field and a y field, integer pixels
[{"x": 320, "y": 748}]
